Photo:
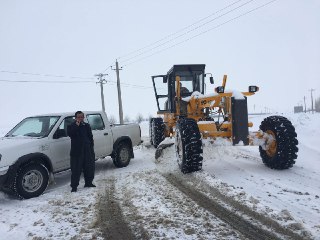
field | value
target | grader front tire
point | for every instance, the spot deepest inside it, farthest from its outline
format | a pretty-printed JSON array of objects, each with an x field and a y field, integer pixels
[
  {"x": 281, "y": 151},
  {"x": 188, "y": 146}
]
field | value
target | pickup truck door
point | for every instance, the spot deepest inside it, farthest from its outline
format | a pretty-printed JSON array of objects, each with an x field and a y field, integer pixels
[
  {"x": 102, "y": 135},
  {"x": 60, "y": 146}
]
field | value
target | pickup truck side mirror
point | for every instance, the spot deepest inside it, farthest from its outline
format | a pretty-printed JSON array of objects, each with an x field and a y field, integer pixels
[{"x": 59, "y": 134}]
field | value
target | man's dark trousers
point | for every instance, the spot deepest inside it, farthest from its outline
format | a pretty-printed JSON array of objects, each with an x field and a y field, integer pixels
[{"x": 85, "y": 162}]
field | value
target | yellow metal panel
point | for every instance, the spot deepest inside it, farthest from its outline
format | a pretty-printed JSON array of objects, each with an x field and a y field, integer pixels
[
  {"x": 207, "y": 127},
  {"x": 214, "y": 134}
]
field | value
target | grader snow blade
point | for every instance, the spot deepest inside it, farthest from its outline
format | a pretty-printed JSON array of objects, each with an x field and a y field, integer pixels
[{"x": 189, "y": 114}]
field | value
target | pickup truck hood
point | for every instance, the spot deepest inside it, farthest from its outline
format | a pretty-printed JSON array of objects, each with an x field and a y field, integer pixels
[
  {"x": 9, "y": 142},
  {"x": 13, "y": 147}
]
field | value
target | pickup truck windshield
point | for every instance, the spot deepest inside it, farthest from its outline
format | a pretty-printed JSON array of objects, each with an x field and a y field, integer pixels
[{"x": 34, "y": 127}]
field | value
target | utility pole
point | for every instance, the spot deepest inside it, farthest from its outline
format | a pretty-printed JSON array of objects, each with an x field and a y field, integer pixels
[
  {"x": 311, "y": 90},
  {"x": 119, "y": 92},
  {"x": 101, "y": 81},
  {"x": 305, "y": 106}
]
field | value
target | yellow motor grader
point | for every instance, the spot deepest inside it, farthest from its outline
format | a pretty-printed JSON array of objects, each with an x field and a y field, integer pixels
[{"x": 189, "y": 114}]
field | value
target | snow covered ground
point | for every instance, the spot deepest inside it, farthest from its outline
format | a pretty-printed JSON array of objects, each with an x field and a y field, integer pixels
[{"x": 154, "y": 206}]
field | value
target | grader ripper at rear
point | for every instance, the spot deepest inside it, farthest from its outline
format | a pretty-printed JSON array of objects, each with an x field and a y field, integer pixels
[{"x": 190, "y": 115}]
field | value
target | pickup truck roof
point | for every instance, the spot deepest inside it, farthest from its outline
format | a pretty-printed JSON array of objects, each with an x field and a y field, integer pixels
[{"x": 65, "y": 113}]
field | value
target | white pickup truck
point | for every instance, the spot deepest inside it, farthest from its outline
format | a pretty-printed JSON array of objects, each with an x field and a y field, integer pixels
[{"x": 39, "y": 146}]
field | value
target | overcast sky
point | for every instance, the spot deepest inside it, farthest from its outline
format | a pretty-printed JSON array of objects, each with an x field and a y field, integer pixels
[{"x": 275, "y": 47}]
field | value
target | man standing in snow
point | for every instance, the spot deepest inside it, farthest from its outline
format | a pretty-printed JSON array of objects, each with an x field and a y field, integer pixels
[{"x": 82, "y": 156}]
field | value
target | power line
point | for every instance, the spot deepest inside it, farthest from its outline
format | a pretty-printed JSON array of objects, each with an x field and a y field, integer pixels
[
  {"x": 173, "y": 34},
  {"x": 203, "y": 32},
  {"x": 59, "y": 76},
  {"x": 44, "y": 75},
  {"x": 129, "y": 85},
  {"x": 140, "y": 59},
  {"x": 190, "y": 38},
  {"x": 188, "y": 32},
  {"x": 180, "y": 30},
  {"x": 44, "y": 81},
  {"x": 108, "y": 68}
]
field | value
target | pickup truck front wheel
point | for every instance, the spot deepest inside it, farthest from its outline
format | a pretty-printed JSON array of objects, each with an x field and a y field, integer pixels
[
  {"x": 31, "y": 181},
  {"x": 122, "y": 155}
]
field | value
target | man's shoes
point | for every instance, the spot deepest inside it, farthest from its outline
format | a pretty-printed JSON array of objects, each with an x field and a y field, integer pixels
[
  {"x": 73, "y": 189},
  {"x": 89, "y": 185}
]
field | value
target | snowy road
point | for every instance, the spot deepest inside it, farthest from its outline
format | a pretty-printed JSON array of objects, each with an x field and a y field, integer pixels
[{"x": 234, "y": 197}]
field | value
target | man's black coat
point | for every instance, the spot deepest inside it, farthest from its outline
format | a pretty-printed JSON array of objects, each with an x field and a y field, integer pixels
[
  {"x": 82, "y": 153},
  {"x": 77, "y": 139}
]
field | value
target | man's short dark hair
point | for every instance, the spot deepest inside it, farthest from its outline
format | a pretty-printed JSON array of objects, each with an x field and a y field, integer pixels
[{"x": 78, "y": 112}]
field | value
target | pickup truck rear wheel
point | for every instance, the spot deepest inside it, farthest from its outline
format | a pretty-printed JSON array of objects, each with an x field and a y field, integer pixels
[
  {"x": 31, "y": 181},
  {"x": 122, "y": 155}
]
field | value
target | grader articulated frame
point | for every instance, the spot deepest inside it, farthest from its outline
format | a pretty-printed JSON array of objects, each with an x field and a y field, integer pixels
[{"x": 189, "y": 114}]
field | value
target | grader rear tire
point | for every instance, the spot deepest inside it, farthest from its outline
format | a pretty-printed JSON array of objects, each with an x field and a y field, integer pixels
[
  {"x": 157, "y": 131},
  {"x": 188, "y": 146},
  {"x": 281, "y": 151}
]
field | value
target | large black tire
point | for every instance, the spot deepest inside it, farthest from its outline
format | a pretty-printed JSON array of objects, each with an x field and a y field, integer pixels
[
  {"x": 150, "y": 131},
  {"x": 188, "y": 145},
  {"x": 122, "y": 155},
  {"x": 157, "y": 131},
  {"x": 31, "y": 181},
  {"x": 281, "y": 152}
]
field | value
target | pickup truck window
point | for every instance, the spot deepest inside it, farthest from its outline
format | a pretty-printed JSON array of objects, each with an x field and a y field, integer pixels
[
  {"x": 63, "y": 128},
  {"x": 34, "y": 127},
  {"x": 95, "y": 121}
]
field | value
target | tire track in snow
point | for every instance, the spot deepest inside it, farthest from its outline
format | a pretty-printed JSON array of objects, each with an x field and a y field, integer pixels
[
  {"x": 110, "y": 217},
  {"x": 151, "y": 202},
  {"x": 197, "y": 185},
  {"x": 240, "y": 224},
  {"x": 225, "y": 208},
  {"x": 154, "y": 203}
]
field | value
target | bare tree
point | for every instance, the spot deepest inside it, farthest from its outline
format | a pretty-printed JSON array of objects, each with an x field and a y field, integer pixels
[
  {"x": 112, "y": 119},
  {"x": 127, "y": 119},
  {"x": 139, "y": 118}
]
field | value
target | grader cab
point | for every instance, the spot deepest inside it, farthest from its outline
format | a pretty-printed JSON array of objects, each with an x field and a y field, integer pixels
[{"x": 189, "y": 114}]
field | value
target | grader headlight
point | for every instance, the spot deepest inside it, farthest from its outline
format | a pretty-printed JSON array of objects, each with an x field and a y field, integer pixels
[
  {"x": 219, "y": 89},
  {"x": 253, "y": 89}
]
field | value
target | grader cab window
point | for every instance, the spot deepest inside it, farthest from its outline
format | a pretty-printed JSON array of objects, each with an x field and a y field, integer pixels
[
  {"x": 191, "y": 81},
  {"x": 160, "y": 84},
  {"x": 165, "y": 88}
]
